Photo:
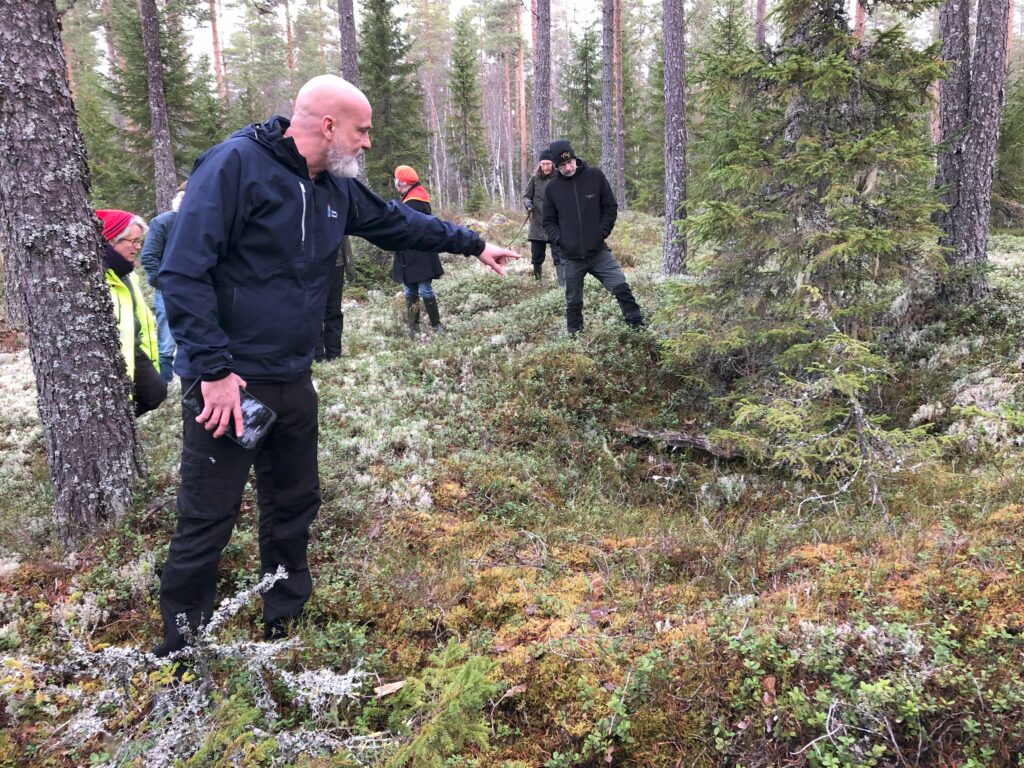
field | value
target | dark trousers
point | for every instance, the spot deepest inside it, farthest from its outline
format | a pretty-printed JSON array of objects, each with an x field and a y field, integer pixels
[
  {"x": 213, "y": 476},
  {"x": 148, "y": 387},
  {"x": 538, "y": 250},
  {"x": 329, "y": 346},
  {"x": 606, "y": 269}
]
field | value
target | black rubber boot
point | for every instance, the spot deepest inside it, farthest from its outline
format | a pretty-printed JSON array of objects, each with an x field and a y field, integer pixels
[
  {"x": 412, "y": 315},
  {"x": 434, "y": 314},
  {"x": 537, "y": 273}
]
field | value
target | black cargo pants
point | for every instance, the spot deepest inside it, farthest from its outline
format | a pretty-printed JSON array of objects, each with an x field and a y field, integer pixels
[{"x": 213, "y": 477}]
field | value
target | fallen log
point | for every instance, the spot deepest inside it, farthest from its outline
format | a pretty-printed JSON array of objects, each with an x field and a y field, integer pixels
[{"x": 681, "y": 440}]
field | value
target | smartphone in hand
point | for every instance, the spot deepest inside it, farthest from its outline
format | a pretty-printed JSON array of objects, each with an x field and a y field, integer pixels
[{"x": 257, "y": 418}]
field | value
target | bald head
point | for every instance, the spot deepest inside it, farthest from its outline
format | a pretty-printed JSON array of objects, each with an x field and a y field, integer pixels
[{"x": 331, "y": 125}]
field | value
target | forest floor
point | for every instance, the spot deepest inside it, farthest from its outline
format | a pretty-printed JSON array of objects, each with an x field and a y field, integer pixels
[{"x": 503, "y": 577}]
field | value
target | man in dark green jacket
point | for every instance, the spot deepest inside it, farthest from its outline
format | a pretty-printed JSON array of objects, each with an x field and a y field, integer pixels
[{"x": 579, "y": 213}]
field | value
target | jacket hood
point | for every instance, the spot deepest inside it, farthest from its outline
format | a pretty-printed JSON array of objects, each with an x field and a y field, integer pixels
[
  {"x": 270, "y": 136},
  {"x": 580, "y": 165}
]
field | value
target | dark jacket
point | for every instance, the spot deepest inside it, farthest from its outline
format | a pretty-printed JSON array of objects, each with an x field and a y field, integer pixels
[
  {"x": 580, "y": 212},
  {"x": 247, "y": 267},
  {"x": 156, "y": 240},
  {"x": 533, "y": 199},
  {"x": 411, "y": 266}
]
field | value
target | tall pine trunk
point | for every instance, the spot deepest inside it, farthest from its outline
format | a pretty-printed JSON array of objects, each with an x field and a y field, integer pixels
[
  {"x": 164, "y": 175},
  {"x": 607, "y": 88},
  {"x": 674, "y": 30},
  {"x": 971, "y": 100},
  {"x": 349, "y": 41},
  {"x": 524, "y": 142},
  {"x": 289, "y": 43},
  {"x": 218, "y": 57},
  {"x": 619, "y": 178},
  {"x": 761, "y": 10},
  {"x": 542, "y": 78},
  {"x": 50, "y": 240}
]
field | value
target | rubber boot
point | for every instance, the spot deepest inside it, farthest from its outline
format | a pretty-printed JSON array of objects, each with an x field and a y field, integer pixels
[
  {"x": 434, "y": 314},
  {"x": 537, "y": 274},
  {"x": 412, "y": 315},
  {"x": 560, "y": 275}
]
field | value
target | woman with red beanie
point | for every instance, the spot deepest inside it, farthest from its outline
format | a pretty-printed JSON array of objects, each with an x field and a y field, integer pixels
[{"x": 136, "y": 326}]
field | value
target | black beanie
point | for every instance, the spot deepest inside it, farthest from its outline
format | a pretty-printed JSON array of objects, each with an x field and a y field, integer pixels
[
  {"x": 561, "y": 151},
  {"x": 545, "y": 154}
]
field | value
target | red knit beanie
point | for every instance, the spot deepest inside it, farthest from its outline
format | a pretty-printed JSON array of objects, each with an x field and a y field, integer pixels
[
  {"x": 114, "y": 222},
  {"x": 406, "y": 175}
]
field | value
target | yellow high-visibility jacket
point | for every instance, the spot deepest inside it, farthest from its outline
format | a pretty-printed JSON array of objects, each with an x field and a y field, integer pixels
[{"x": 127, "y": 312}]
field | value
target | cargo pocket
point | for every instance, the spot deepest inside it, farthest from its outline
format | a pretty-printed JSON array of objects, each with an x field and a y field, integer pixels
[{"x": 207, "y": 492}]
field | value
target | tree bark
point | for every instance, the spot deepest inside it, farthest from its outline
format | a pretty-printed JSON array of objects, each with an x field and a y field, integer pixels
[
  {"x": 858, "y": 19},
  {"x": 349, "y": 41},
  {"x": 524, "y": 143},
  {"x": 607, "y": 88},
  {"x": 954, "y": 106},
  {"x": 164, "y": 174},
  {"x": 619, "y": 184},
  {"x": 542, "y": 78},
  {"x": 674, "y": 30},
  {"x": 988, "y": 73},
  {"x": 218, "y": 57},
  {"x": 759, "y": 17},
  {"x": 53, "y": 273},
  {"x": 971, "y": 99},
  {"x": 289, "y": 44}
]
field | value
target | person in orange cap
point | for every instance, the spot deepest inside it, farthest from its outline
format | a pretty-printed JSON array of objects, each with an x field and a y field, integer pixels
[{"x": 416, "y": 270}]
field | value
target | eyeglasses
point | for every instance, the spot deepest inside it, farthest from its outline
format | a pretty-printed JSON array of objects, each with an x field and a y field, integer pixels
[{"x": 134, "y": 241}]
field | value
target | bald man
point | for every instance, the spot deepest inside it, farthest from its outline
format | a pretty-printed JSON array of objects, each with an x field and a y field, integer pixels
[{"x": 245, "y": 278}]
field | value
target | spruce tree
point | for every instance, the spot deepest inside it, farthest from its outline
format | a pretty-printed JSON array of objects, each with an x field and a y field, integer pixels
[
  {"x": 721, "y": 100},
  {"x": 813, "y": 214},
  {"x": 257, "y": 69},
  {"x": 388, "y": 77},
  {"x": 193, "y": 112},
  {"x": 579, "y": 117},
  {"x": 466, "y": 133}
]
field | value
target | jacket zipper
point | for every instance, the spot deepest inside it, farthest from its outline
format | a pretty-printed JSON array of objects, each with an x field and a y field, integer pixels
[
  {"x": 579, "y": 215},
  {"x": 302, "y": 189}
]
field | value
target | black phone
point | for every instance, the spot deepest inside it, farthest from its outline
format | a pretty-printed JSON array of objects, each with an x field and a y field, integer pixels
[{"x": 257, "y": 417}]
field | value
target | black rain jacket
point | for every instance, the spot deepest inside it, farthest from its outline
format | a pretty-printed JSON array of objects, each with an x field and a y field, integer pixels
[
  {"x": 580, "y": 212},
  {"x": 247, "y": 267}
]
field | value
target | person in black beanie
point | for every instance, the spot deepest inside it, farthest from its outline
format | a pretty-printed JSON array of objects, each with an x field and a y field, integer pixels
[
  {"x": 579, "y": 213},
  {"x": 533, "y": 201}
]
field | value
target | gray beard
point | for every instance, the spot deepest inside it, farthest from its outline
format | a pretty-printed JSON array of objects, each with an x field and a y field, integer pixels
[{"x": 343, "y": 165}]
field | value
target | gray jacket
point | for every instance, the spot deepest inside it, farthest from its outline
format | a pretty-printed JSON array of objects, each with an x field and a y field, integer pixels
[{"x": 533, "y": 201}]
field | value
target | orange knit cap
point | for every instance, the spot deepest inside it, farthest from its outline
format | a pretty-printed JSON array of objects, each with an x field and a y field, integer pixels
[{"x": 406, "y": 174}]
